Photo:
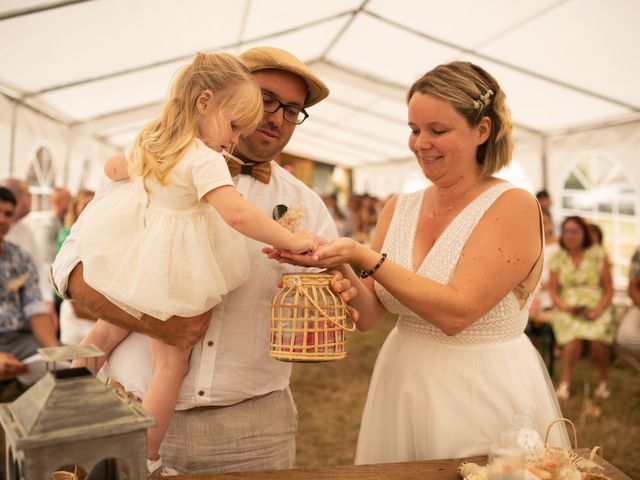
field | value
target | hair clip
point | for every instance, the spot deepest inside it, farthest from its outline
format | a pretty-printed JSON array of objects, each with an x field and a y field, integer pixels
[{"x": 483, "y": 100}]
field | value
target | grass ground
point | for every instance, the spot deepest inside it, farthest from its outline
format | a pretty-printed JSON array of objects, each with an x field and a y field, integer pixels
[{"x": 330, "y": 398}]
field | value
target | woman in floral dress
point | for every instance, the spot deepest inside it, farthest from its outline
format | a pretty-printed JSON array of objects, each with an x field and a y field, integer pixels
[{"x": 581, "y": 289}]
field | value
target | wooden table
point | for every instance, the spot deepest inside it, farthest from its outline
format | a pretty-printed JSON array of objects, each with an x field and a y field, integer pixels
[{"x": 427, "y": 470}]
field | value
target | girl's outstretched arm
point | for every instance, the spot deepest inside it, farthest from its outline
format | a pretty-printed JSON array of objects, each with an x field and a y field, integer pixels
[{"x": 252, "y": 222}]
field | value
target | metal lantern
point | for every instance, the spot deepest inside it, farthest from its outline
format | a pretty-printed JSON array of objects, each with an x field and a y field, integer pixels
[
  {"x": 308, "y": 320},
  {"x": 71, "y": 418}
]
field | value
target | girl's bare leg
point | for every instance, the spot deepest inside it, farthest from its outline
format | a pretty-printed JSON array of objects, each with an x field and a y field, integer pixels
[
  {"x": 106, "y": 337},
  {"x": 170, "y": 365}
]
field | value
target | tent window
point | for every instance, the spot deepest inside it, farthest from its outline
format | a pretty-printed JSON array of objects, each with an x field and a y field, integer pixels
[
  {"x": 41, "y": 177},
  {"x": 598, "y": 189}
]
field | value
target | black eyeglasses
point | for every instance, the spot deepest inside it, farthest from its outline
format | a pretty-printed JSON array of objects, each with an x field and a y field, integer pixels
[{"x": 292, "y": 114}]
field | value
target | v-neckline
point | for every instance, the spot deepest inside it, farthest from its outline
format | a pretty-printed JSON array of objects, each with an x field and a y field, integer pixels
[{"x": 438, "y": 240}]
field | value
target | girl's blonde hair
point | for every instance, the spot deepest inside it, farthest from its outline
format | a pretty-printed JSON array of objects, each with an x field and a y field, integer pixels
[
  {"x": 161, "y": 144},
  {"x": 475, "y": 94}
]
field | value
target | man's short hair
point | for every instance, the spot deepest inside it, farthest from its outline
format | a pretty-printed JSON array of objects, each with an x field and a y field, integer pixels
[
  {"x": 7, "y": 195},
  {"x": 542, "y": 194},
  {"x": 271, "y": 58}
]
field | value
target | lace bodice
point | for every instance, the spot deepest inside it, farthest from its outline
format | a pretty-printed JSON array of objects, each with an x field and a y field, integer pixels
[{"x": 505, "y": 321}]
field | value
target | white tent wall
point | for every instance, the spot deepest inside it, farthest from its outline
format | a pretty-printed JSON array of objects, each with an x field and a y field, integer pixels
[
  {"x": 77, "y": 156},
  {"x": 33, "y": 131},
  {"x": 86, "y": 161},
  {"x": 6, "y": 115},
  {"x": 620, "y": 143}
]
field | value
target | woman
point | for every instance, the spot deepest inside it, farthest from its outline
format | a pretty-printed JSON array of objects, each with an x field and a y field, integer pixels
[
  {"x": 581, "y": 289},
  {"x": 75, "y": 319},
  {"x": 460, "y": 264}
]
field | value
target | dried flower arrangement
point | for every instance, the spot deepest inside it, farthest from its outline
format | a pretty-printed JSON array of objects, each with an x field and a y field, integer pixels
[{"x": 553, "y": 464}]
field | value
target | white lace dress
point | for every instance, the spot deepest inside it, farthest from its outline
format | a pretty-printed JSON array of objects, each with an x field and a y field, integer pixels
[{"x": 433, "y": 396}]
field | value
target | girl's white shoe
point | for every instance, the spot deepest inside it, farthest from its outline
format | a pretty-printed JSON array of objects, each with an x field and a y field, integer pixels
[{"x": 154, "y": 465}]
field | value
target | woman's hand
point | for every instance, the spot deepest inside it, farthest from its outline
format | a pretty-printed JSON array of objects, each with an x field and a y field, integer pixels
[
  {"x": 343, "y": 287},
  {"x": 338, "y": 252}
]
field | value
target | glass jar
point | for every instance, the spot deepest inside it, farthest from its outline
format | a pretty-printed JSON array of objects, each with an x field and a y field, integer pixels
[{"x": 526, "y": 435}]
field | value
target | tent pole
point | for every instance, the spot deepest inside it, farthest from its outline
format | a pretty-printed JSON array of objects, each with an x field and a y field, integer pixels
[
  {"x": 544, "y": 160},
  {"x": 12, "y": 138}
]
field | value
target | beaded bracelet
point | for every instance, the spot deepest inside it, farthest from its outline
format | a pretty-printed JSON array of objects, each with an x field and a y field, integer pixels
[{"x": 377, "y": 266}]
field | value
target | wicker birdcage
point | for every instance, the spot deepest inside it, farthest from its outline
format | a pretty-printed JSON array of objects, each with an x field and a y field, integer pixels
[{"x": 308, "y": 320}]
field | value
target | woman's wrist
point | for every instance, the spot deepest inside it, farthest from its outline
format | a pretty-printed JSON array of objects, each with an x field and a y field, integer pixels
[{"x": 372, "y": 261}]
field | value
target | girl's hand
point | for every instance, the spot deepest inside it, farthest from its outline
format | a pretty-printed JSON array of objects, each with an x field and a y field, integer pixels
[
  {"x": 284, "y": 256},
  {"x": 304, "y": 241}
]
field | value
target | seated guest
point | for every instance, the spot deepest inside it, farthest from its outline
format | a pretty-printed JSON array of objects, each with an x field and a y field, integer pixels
[
  {"x": 25, "y": 324},
  {"x": 582, "y": 289}
]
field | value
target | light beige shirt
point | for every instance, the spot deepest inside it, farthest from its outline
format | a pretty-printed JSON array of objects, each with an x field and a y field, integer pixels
[{"x": 231, "y": 363}]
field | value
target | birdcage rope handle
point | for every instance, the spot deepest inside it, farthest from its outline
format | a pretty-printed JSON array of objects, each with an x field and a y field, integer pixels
[{"x": 313, "y": 302}]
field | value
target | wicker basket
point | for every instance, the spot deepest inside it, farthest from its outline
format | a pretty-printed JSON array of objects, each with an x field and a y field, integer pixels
[
  {"x": 554, "y": 463},
  {"x": 591, "y": 468},
  {"x": 77, "y": 474},
  {"x": 308, "y": 320}
]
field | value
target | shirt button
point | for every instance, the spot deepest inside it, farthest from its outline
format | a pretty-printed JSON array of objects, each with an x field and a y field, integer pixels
[
  {"x": 201, "y": 392},
  {"x": 210, "y": 343}
]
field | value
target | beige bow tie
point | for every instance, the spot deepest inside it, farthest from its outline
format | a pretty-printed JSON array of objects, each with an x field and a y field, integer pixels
[{"x": 261, "y": 171}]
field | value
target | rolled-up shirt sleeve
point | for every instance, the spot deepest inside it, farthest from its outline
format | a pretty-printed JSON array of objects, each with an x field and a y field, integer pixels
[{"x": 68, "y": 257}]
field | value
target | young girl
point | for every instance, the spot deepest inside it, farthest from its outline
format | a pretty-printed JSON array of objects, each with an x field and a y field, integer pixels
[{"x": 156, "y": 246}]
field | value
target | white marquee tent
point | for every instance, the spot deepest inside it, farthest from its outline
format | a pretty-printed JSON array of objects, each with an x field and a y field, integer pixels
[
  {"x": 98, "y": 69},
  {"x": 80, "y": 77}
]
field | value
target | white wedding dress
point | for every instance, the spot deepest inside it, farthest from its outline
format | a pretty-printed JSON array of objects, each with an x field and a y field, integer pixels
[
  {"x": 434, "y": 396},
  {"x": 164, "y": 250}
]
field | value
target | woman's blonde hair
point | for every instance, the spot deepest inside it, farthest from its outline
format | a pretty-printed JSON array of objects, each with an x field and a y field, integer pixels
[
  {"x": 161, "y": 144},
  {"x": 475, "y": 94}
]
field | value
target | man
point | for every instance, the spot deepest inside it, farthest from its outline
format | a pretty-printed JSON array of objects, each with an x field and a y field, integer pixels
[
  {"x": 235, "y": 405},
  {"x": 628, "y": 337},
  {"x": 25, "y": 325},
  {"x": 21, "y": 234}
]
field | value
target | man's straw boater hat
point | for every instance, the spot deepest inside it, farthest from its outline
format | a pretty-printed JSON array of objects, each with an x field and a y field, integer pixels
[{"x": 267, "y": 58}]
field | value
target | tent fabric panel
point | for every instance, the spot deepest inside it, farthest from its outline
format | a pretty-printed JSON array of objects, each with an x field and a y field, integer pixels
[
  {"x": 581, "y": 43},
  {"x": 543, "y": 105},
  {"x": 464, "y": 22},
  {"x": 366, "y": 47},
  {"x": 92, "y": 39},
  {"x": 274, "y": 16},
  {"x": 90, "y": 100}
]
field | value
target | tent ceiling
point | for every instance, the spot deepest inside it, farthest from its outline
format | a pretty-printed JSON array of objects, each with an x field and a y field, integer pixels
[{"x": 105, "y": 65}]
